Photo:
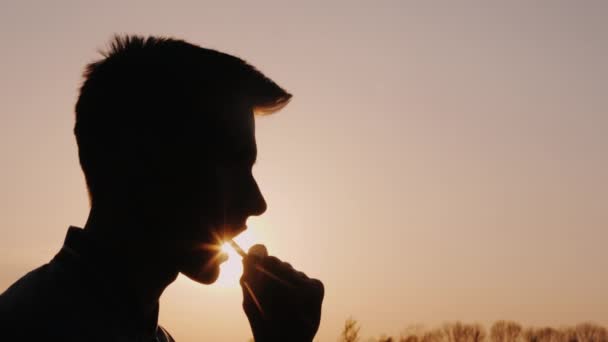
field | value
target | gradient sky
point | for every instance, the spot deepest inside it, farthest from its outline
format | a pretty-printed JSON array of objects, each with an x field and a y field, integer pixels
[{"x": 439, "y": 161}]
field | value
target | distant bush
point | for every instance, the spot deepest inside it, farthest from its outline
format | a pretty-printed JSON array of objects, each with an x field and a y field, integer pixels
[
  {"x": 350, "y": 332},
  {"x": 501, "y": 331}
]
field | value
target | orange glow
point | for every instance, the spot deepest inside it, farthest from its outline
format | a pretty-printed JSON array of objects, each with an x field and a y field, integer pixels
[
  {"x": 225, "y": 248},
  {"x": 438, "y": 162},
  {"x": 232, "y": 269}
]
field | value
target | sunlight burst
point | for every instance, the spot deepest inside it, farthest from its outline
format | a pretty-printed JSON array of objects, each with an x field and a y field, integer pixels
[
  {"x": 231, "y": 270},
  {"x": 225, "y": 248}
]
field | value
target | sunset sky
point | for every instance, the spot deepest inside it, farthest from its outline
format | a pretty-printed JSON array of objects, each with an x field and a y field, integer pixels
[{"x": 440, "y": 160}]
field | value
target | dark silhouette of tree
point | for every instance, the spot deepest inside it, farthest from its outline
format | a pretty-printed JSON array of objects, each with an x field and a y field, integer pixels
[
  {"x": 568, "y": 334},
  {"x": 505, "y": 331},
  {"x": 459, "y": 332},
  {"x": 419, "y": 335},
  {"x": 386, "y": 339},
  {"x": 350, "y": 333},
  {"x": 588, "y": 332},
  {"x": 435, "y": 335},
  {"x": 501, "y": 331},
  {"x": 409, "y": 338}
]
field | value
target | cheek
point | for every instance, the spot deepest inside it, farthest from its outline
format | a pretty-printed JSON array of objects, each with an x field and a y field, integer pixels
[{"x": 214, "y": 197}]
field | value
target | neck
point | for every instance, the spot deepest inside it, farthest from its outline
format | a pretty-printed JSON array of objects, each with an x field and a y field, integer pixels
[{"x": 135, "y": 260}]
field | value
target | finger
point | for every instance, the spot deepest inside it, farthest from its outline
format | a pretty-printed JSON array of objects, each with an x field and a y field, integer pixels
[
  {"x": 272, "y": 263},
  {"x": 318, "y": 286},
  {"x": 251, "y": 303},
  {"x": 255, "y": 255},
  {"x": 258, "y": 250},
  {"x": 277, "y": 270},
  {"x": 251, "y": 273},
  {"x": 284, "y": 271},
  {"x": 274, "y": 275}
]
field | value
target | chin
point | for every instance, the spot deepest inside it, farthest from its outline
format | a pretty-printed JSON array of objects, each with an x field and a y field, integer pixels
[
  {"x": 201, "y": 267},
  {"x": 207, "y": 277}
]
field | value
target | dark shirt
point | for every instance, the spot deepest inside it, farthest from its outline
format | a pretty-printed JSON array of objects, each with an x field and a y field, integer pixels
[{"x": 75, "y": 297}]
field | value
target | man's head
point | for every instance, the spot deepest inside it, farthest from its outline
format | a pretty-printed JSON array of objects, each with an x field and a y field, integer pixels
[{"x": 165, "y": 133}]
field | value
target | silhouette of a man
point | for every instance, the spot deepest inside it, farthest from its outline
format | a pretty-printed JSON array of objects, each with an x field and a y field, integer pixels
[{"x": 165, "y": 133}]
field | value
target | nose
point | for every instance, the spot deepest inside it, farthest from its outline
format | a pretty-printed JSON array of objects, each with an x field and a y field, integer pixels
[{"x": 258, "y": 205}]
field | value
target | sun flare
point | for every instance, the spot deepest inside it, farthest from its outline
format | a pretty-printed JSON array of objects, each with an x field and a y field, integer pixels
[
  {"x": 226, "y": 248},
  {"x": 231, "y": 270}
]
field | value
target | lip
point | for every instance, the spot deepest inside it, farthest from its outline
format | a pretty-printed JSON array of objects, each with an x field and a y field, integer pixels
[
  {"x": 223, "y": 257},
  {"x": 232, "y": 231}
]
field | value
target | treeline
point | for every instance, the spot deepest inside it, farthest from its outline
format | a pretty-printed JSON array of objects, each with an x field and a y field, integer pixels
[{"x": 501, "y": 331}]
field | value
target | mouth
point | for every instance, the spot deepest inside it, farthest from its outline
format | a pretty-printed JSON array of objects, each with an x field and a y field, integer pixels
[
  {"x": 229, "y": 232},
  {"x": 222, "y": 237},
  {"x": 222, "y": 256}
]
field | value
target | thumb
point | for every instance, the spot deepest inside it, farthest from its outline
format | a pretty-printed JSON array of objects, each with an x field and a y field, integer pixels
[
  {"x": 255, "y": 254},
  {"x": 258, "y": 250}
]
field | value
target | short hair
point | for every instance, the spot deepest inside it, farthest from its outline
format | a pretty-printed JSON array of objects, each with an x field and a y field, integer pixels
[{"x": 145, "y": 94}]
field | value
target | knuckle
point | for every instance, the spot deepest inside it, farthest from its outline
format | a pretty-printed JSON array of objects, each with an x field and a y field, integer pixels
[
  {"x": 272, "y": 262},
  {"x": 319, "y": 287},
  {"x": 258, "y": 250},
  {"x": 247, "y": 307}
]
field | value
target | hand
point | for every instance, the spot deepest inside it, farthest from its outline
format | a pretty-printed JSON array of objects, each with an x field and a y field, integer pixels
[{"x": 281, "y": 303}]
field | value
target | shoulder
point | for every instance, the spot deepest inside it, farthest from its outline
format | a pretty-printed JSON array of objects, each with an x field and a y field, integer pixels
[
  {"x": 39, "y": 301},
  {"x": 26, "y": 291}
]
